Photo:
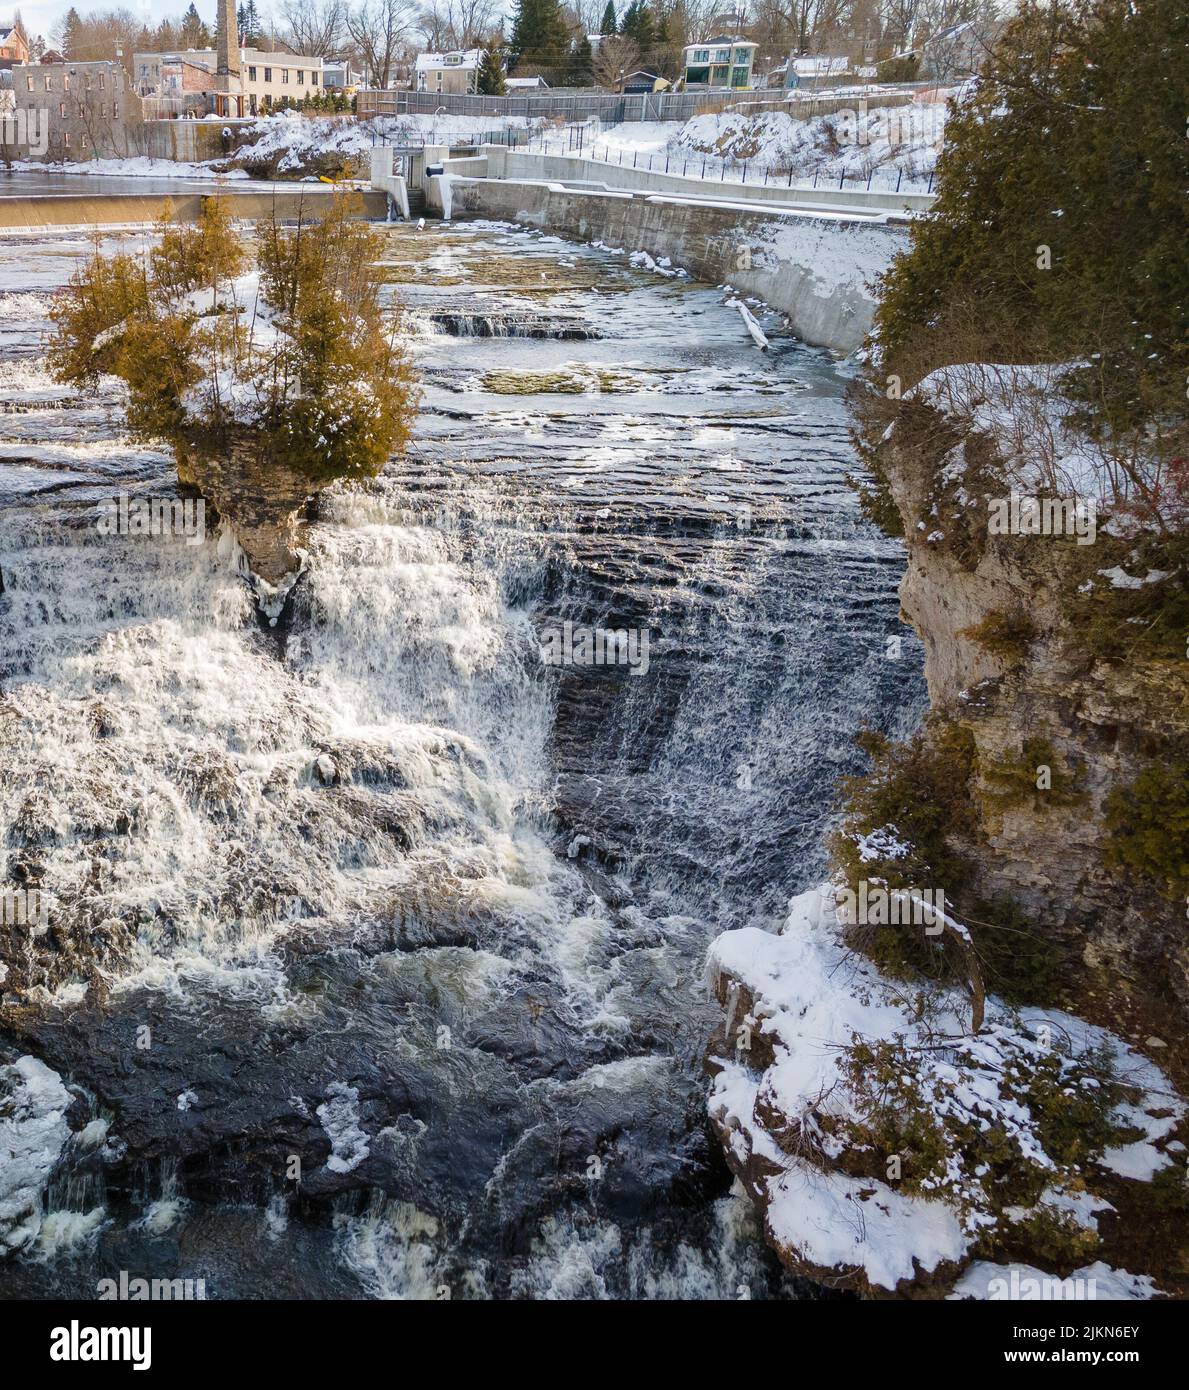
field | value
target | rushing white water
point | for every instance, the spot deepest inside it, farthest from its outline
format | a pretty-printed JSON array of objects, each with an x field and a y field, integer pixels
[{"x": 390, "y": 895}]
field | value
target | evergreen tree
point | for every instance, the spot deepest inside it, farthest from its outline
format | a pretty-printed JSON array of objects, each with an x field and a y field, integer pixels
[
  {"x": 195, "y": 34},
  {"x": 540, "y": 36},
  {"x": 580, "y": 72},
  {"x": 1073, "y": 140},
  {"x": 610, "y": 24},
  {"x": 491, "y": 73},
  {"x": 639, "y": 26},
  {"x": 72, "y": 27},
  {"x": 248, "y": 22}
]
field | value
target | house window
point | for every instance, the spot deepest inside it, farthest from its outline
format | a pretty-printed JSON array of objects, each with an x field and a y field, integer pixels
[
  {"x": 29, "y": 80},
  {"x": 61, "y": 108},
  {"x": 313, "y": 79},
  {"x": 301, "y": 78},
  {"x": 701, "y": 55},
  {"x": 285, "y": 75},
  {"x": 66, "y": 138},
  {"x": 251, "y": 74},
  {"x": 115, "y": 112},
  {"x": 102, "y": 80},
  {"x": 722, "y": 55},
  {"x": 268, "y": 74},
  {"x": 49, "y": 83}
]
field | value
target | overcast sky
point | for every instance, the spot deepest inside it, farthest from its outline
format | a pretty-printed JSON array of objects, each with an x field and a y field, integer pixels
[{"x": 43, "y": 18}]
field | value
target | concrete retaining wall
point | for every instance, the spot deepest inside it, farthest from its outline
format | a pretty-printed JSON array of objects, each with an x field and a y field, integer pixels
[
  {"x": 813, "y": 266},
  {"x": 188, "y": 142},
  {"x": 522, "y": 164}
]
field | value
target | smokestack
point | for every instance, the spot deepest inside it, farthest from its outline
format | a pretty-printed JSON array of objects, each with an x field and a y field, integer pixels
[{"x": 227, "y": 43}]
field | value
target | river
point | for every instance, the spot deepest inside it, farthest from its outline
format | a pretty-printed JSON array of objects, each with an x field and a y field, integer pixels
[{"x": 401, "y": 930}]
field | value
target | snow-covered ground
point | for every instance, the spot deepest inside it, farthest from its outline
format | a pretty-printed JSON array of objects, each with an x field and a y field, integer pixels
[
  {"x": 827, "y": 1026},
  {"x": 297, "y": 141},
  {"x": 1033, "y": 423},
  {"x": 891, "y": 146}
]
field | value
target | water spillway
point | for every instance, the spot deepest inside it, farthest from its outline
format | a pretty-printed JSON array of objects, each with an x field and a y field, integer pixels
[{"x": 378, "y": 941}]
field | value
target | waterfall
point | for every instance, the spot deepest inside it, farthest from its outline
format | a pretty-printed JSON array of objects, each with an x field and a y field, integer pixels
[{"x": 415, "y": 921}]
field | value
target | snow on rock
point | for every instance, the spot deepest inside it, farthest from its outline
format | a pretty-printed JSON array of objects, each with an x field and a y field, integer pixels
[
  {"x": 834, "y": 1222},
  {"x": 822, "y": 1056},
  {"x": 851, "y": 143},
  {"x": 1024, "y": 1283},
  {"x": 1120, "y": 579},
  {"x": 298, "y": 142},
  {"x": 137, "y": 167},
  {"x": 33, "y": 1133},
  {"x": 896, "y": 142}
]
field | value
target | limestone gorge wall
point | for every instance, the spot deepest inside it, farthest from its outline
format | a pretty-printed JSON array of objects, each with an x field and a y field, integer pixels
[
  {"x": 1067, "y": 687},
  {"x": 891, "y": 1147}
]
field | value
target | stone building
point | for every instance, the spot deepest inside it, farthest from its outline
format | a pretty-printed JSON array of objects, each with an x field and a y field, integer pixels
[
  {"x": 264, "y": 79},
  {"x": 238, "y": 81},
  {"x": 84, "y": 109}
]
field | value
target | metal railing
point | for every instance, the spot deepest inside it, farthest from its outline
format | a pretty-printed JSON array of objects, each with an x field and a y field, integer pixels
[
  {"x": 613, "y": 109},
  {"x": 683, "y": 163}
]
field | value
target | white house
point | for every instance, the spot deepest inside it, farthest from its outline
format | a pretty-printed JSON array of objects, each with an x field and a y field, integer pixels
[
  {"x": 721, "y": 62},
  {"x": 456, "y": 72}
]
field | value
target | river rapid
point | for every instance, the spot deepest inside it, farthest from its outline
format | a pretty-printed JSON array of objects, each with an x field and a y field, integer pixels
[{"x": 389, "y": 934}]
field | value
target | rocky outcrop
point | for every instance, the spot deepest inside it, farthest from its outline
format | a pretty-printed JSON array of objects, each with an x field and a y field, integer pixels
[
  {"x": 894, "y": 1145},
  {"x": 1059, "y": 720},
  {"x": 263, "y": 501},
  {"x": 894, "y": 1153}
]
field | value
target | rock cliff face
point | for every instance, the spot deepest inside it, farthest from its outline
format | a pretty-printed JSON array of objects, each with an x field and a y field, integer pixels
[
  {"x": 1056, "y": 727},
  {"x": 893, "y": 1145},
  {"x": 263, "y": 502}
]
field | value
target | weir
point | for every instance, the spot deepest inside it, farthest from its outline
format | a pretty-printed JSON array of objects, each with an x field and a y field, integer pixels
[
  {"x": 810, "y": 254},
  {"x": 108, "y": 209}
]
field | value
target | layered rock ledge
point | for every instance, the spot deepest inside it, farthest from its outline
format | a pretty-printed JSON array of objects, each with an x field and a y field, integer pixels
[{"x": 892, "y": 1152}]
